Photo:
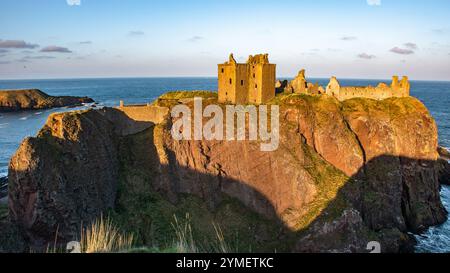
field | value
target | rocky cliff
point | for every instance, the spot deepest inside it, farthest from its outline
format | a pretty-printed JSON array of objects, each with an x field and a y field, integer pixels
[
  {"x": 444, "y": 166},
  {"x": 14, "y": 100},
  {"x": 345, "y": 173}
]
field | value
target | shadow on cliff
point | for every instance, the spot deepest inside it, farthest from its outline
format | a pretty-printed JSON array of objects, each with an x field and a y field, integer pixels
[{"x": 386, "y": 198}]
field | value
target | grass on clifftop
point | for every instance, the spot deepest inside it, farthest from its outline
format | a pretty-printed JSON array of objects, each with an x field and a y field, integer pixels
[
  {"x": 177, "y": 95},
  {"x": 173, "y": 98}
]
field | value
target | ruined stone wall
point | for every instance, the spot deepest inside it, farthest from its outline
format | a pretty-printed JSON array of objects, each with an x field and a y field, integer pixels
[
  {"x": 145, "y": 113},
  {"x": 365, "y": 92},
  {"x": 380, "y": 92},
  {"x": 300, "y": 85},
  {"x": 136, "y": 119}
]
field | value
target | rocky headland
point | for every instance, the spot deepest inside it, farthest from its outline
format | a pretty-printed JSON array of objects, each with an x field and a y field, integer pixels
[
  {"x": 345, "y": 173},
  {"x": 33, "y": 99}
]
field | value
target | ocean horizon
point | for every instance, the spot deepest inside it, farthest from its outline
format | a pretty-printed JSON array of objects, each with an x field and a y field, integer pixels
[{"x": 312, "y": 79}]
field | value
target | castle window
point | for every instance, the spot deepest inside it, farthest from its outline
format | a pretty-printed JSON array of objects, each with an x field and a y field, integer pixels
[
  {"x": 231, "y": 81},
  {"x": 256, "y": 86},
  {"x": 242, "y": 82},
  {"x": 253, "y": 75},
  {"x": 222, "y": 70}
]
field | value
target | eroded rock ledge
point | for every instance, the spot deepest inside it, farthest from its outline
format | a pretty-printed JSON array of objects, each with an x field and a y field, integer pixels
[
  {"x": 32, "y": 99},
  {"x": 346, "y": 173}
]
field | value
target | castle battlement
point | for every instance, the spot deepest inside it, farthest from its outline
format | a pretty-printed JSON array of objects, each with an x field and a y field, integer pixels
[
  {"x": 381, "y": 91},
  {"x": 250, "y": 82}
]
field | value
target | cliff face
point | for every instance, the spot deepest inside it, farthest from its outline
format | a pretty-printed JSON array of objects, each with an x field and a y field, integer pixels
[
  {"x": 390, "y": 144},
  {"x": 14, "y": 100},
  {"x": 64, "y": 176},
  {"x": 344, "y": 174}
]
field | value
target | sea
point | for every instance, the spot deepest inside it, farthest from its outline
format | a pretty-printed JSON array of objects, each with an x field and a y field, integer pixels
[{"x": 14, "y": 127}]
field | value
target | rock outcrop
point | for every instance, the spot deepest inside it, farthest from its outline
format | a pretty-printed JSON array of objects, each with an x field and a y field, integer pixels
[
  {"x": 15, "y": 100},
  {"x": 344, "y": 174},
  {"x": 444, "y": 166},
  {"x": 3, "y": 187}
]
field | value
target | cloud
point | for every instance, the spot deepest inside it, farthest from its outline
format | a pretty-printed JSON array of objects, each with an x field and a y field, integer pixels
[
  {"x": 195, "y": 38},
  {"x": 56, "y": 49},
  {"x": 366, "y": 56},
  {"x": 74, "y": 2},
  {"x": 334, "y": 49},
  {"x": 402, "y": 51},
  {"x": 16, "y": 44},
  {"x": 85, "y": 42},
  {"x": 374, "y": 2},
  {"x": 348, "y": 38},
  {"x": 411, "y": 46},
  {"x": 136, "y": 33},
  {"x": 439, "y": 31},
  {"x": 5, "y": 62},
  {"x": 3, "y": 50},
  {"x": 38, "y": 57}
]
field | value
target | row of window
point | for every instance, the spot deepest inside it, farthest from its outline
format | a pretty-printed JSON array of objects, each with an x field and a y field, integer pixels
[
  {"x": 254, "y": 75},
  {"x": 242, "y": 83}
]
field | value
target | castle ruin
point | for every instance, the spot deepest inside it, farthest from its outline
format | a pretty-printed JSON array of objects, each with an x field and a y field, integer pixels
[
  {"x": 299, "y": 85},
  {"x": 250, "y": 82},
  {"x": 380, "y": 92}
]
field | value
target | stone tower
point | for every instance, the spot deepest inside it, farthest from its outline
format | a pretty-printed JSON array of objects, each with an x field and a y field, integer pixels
[{"x": 243, "y": 83}]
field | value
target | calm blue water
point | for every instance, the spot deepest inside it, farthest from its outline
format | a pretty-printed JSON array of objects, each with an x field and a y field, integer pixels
[{"x": 15, "y": 126}]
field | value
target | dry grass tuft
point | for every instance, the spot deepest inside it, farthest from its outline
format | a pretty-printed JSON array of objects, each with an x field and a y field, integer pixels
[{"x": 103, "y": 236}]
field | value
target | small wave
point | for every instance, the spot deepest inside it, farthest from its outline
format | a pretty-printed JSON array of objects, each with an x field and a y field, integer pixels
[
  {"x": 3, "y": 125},
  {"x": 38, "y": 113},
  {"x": 23, "y": 118},
  {"x": 3, "y": 172},
  {"x": 437, "y": 238}
]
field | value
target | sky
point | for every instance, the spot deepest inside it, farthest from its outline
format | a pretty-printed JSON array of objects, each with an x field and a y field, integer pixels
[{"x": 371, "y": 39}]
